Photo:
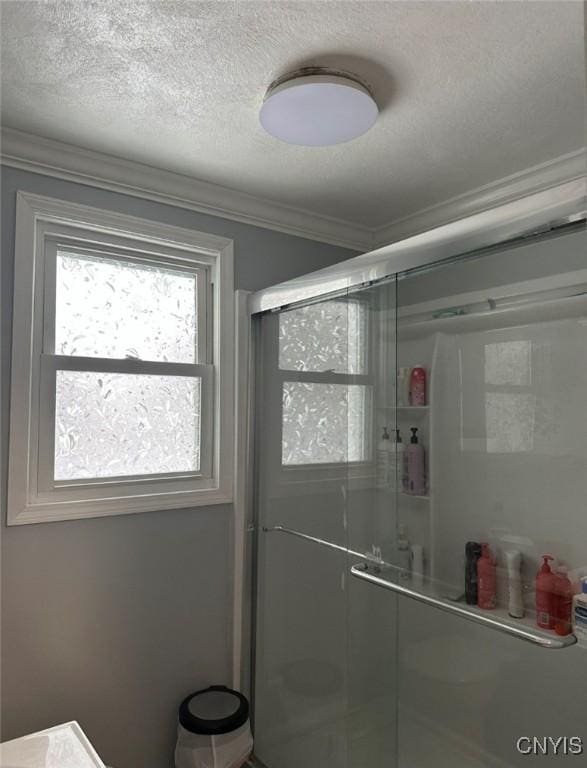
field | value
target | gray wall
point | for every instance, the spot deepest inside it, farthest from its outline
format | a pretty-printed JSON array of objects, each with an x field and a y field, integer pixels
[{"x": 112, "y": 621}]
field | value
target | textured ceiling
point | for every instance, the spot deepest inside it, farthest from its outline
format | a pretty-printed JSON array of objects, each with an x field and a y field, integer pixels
[{"x": 469, "y": 91}]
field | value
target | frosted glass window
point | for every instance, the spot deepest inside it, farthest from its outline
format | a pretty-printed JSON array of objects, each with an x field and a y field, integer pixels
[
  {"x": 325, "y": 423},
  {"x": 114, "y": 424},
  {"x": 329, "y": 336},
  {"x": 120, "y": 309}
]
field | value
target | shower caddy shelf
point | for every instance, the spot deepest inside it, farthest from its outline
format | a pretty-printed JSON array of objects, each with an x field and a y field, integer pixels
[{"x": 384, "y": 575}]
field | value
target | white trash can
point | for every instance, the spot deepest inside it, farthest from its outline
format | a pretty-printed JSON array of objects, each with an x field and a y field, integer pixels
[{"x": 214, "y": 730}]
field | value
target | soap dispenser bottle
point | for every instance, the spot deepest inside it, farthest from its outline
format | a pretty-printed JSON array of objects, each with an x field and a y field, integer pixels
[
  {"x": 416, "y": 466},
  {"x": 545, "y": 598}
]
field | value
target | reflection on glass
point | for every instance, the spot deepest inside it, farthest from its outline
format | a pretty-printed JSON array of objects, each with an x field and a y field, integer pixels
[
  {"x": 108, "y": 425},
  {"x": 329, "y": 336},
  {"x": 119, "y": 309},
  {"x": 508, "y": 362},
  {"x": 325, "y": 423},
  {"x": 510, "y": 422},
  {"x": 509, "y": 415}
]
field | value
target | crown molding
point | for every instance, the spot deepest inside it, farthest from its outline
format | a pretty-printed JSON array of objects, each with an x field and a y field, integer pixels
[
  {"x": 538, "y": 178},
  {"x": 65, "y": 161},
  {"x": 53, "y": 158}
]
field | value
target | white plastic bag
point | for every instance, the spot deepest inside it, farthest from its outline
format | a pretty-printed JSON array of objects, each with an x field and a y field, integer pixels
[{"x": 227, "y": 750}]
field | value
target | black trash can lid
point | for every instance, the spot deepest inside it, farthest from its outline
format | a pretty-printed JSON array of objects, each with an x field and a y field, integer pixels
[{"x": 213, "y": 711}]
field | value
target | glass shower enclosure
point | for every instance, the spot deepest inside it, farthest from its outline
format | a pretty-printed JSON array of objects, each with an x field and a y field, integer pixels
[{"x": 370, "y": 646}]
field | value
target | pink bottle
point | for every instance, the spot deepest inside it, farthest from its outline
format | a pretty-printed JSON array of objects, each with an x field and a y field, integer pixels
[
  {"x": 486, "y": 580},
  {"x": 545, "y": 601},
  {"x": 563, "y": 601},
  {"x": 418, "y": 386}
]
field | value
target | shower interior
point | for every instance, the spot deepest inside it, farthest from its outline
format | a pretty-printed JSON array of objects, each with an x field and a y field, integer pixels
[{"x": 346, "y": 674}]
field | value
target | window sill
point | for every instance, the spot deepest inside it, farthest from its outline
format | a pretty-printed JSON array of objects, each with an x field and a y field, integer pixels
[{"x": 48, "y": 512}]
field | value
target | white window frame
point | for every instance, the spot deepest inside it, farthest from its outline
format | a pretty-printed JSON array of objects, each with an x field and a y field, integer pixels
[{"x": 42, "y": 225}]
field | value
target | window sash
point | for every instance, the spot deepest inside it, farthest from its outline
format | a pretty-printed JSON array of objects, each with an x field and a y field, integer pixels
[
  {"x": 50, "y": 364},
  {"x": 203, "y": 287},
  {"x": 366, "y": 352},
  {"x": 327, "y": 377}
]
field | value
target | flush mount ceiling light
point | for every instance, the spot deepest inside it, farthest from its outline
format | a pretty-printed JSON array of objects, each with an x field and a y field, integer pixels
[{"x": 318, "y": 107}]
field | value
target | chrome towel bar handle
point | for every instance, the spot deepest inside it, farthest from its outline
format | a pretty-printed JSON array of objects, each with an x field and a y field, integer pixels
[
  {"x": 512, "y": 627},
  {"x": 386, "y": 575}
]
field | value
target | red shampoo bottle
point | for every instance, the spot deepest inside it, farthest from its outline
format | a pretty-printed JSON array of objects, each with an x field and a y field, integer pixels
[
  {"x": 486, "y": 580},
  {"x": 418, "y": 386},
  {"x": 545, "y": 597}
]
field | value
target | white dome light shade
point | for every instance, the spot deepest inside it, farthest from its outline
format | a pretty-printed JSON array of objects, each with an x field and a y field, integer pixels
[{"x": 318, "y": 110}]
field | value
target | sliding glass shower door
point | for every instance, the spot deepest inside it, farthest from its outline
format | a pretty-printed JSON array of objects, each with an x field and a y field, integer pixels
[
  {"x": 324, "y": 648},
  {"x": 399, "y": 426}
]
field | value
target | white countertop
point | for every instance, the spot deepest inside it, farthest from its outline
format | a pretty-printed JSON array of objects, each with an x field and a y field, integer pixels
[{"x": 63, "y": 746}]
